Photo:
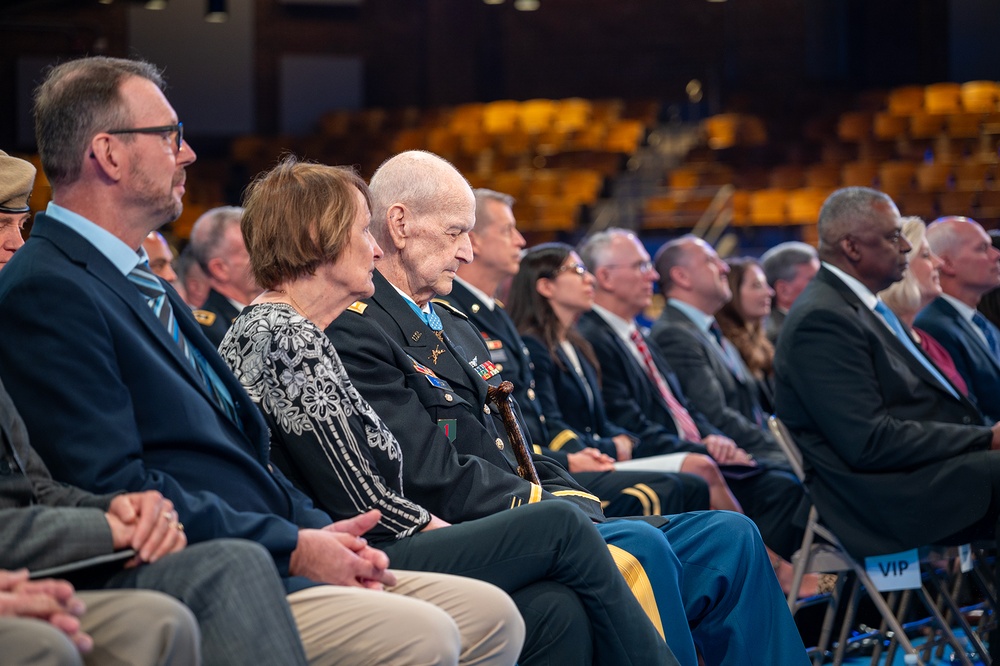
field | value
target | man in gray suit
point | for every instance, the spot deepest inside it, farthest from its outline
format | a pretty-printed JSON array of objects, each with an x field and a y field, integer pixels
[
  {"x": 231, "y": 586},
  {"x": 711, "y": 371}
]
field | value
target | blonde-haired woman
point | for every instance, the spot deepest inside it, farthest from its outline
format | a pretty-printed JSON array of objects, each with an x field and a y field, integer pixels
[{"x": 920, "y": 285}]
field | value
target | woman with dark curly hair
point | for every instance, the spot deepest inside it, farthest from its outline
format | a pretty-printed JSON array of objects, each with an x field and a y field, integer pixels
[{"x": 742, "y": 321}]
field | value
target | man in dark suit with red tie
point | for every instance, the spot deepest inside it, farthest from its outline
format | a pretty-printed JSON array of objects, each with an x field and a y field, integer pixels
[{"x": 641, "y": 390}]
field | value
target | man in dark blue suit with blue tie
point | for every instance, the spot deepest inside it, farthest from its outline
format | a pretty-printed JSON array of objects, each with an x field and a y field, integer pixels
[
  {"x": 120, "y": 390},
  {"x": 970, "y": 268}
]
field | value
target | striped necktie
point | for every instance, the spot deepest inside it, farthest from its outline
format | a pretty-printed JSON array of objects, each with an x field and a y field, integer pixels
[
  {"x": 156, "y": 296},
  {"x": 685, "y": 424}
]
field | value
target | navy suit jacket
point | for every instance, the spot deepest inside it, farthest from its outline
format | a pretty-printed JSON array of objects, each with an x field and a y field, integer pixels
[
  {"x": 112, "y": 404},
  {"x": 563, "y": 395},
  {"x": 893, "y": 460},
  {"x": 979, "y": 368},
  {"x": 630, "y": 397}
]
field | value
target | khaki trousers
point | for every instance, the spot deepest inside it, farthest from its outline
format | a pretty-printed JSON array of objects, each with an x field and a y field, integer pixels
[
  {"x": 427, "y": 619},
  {"x": 129, "y": 628}
]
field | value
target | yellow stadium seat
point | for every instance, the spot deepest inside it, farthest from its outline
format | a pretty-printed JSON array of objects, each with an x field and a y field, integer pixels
[
  {"x": 963, "y": 125},
  {"x": 906, "y": 100},
  {"x": 684, "y": 178},
  {"x": 927, "y": 125},
  {"x": 957, "y": 202},
  {"x": 501, "y": 117},
  {"x": 943, "y": 98},
  {"x": 788, "y": 176},
  {"x": 768, "y": 206},
  {"x": 854, "y": 126},
  {"x": 537, "y": 115},
  {"x": 582, "y": 185},
  {"x": 467, "y": 118},
  {"x": 935, "y": 176},
  {"x": 721, "y": 130},
  {"x": 555, "y": 215},
  {"x": 896, "y": 176},
  {"x": 886, "y": 126},
  {"x": 572, "y": 114},
  {"x": 981, "y": 96},
  {"x": 509, "y": 182},
  {"x": 972, "y": 175},
  {"x": 861, "y": 174},
  {"x": 921, "y": 204},
  {"x": 804, "y": 204},
  {"x": 741, "y": 207},
  {"x": 624, "y": 136},
  {"x": 823, "y": 175}
]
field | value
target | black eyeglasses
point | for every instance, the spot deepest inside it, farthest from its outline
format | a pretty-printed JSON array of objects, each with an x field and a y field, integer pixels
[{"x": 162, "y": 129}]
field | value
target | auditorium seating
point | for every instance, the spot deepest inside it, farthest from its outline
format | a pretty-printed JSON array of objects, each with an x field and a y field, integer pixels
[{"x": 933, "y": 148}]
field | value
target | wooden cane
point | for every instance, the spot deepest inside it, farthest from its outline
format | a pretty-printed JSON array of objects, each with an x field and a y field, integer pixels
[{"x": 500, "y": 395}]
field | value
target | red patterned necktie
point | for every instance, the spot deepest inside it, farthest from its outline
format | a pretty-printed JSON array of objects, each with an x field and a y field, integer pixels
[{"x": 689, "y": 430}]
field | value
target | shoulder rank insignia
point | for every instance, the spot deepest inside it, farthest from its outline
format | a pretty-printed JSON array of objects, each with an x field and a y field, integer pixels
[
  {"x": 204, "y": 317},
  {"x": 358, "y": 307},
  {"x": 449, "y": 307}
]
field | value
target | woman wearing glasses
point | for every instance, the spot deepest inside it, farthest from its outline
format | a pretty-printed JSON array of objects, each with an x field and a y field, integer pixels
[{"x": 547, "y": 296}]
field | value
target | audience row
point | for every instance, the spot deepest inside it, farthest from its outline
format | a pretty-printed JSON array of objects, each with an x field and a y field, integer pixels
[{"x": 341, "y": 388}]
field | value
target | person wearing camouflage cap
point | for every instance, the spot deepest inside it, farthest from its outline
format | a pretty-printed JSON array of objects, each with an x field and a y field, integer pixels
[{"x": 16, "y": 178}]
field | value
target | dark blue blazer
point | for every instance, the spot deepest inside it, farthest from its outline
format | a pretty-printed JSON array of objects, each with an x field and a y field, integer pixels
[
  {"x": 563, "y": 396},
  {"x": 978, "y": 367},
  {"x": 630, "y": 397},
  {"x": 112, "y": 404}
]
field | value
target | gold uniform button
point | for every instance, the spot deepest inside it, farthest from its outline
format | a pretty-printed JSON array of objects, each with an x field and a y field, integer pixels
[
  {"x": 475, "y": 308},
  {"x": 447, "y": 396},
  {"x": 499, "y": 443},
  {"x": 486, "y": 409},
  {"x": 531, "y": 394}
]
